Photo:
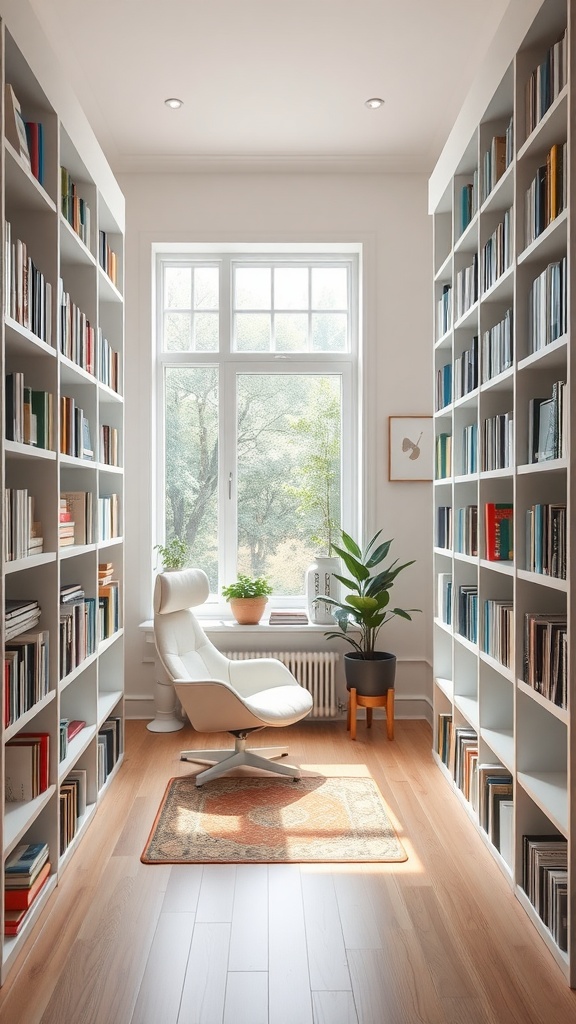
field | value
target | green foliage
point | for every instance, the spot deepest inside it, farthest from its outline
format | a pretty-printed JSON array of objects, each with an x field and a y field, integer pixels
[
  {"x": 366, "y": 607},
  {"x": 245, "y": 586},
  {"x": 174, "y": 554}
]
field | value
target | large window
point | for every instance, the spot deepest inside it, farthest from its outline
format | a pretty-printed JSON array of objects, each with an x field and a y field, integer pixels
[{"x": 256, "y": 378}]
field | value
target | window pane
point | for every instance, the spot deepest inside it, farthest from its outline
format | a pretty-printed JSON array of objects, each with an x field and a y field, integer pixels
[
  {"x": 329, "y": 332},
  {"x": 289, "y": 453},
  {"x": 178, "y": 287},
  {"x": 206, "y": 332},
  {"x": 191, "y": 475},
  {"x": 252, "y": 287},
  {"x": 177, "y": 332},
  {"x": 206, "y": 288},
  {"x": 291, "y": 332},
  {"x": 253, "y": 332},
  {"x": 291, "y": 288},
  {"x": 329, "y": 288}
]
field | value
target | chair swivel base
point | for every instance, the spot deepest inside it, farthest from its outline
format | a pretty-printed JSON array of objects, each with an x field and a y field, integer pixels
[{"x": 223, "y": 760}]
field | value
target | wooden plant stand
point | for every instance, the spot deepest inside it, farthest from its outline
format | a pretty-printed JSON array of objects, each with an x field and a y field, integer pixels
[{"x": 355, "y": 701}]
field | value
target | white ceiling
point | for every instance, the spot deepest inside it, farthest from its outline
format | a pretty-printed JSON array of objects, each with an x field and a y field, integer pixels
[{"x": 271, "y": 84}]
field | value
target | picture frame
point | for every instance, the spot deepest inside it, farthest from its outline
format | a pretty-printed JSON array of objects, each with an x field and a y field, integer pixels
[{"x": 410, "y": 449}]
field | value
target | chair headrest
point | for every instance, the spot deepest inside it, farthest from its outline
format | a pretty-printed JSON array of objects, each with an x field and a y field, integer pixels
[{"x": 175, "y": 591}]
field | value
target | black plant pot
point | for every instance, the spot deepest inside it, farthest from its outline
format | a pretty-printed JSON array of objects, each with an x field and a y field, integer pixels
[{"x": 370, "y": 677}]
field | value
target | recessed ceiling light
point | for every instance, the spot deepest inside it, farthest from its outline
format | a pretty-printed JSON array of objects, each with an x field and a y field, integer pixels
[
  {"x": 173, "y": 102},
  {"x": 374, "y": 103}
]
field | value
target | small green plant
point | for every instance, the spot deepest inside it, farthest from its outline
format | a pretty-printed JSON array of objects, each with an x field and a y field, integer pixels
[
  {"x": 174, "y": 554},
  {"x": 247, "y": 587},
  {"x": 366, "y": 607}
]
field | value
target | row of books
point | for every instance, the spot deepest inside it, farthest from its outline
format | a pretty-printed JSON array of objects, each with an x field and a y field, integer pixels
[
  {"x": 22, "y": 532},
  {"x": 546, "y": 549},
  {"x": 20, "y": 615},
  {"x": 108, "y": 363},
  {"x": 468, "y": 202},
  {"x": 546, "y": 83},
  {"x": 497, "y": 348},
  {"x": 76, "y": 513},
  {"x": 444, "y": 526},
  {"x": 545, "y": 882},
  {"x": 466, "y": 288},
  {"x": 74, "y": 208},
  {"x": 548, "y": 306},
  {"x": 26, "y": 672},
  {"x": 109, "y": 448},
  {"x": 110, "y": 747},
  {"x": 443, "y": 737},
  {"x": 109, "y": 516},
  {"x": 107, "y": 257},
  {"x": 77, "y": 334},
  {"x": 443, "y": 386},
  {"x": 26, "y": 872},
  {"x": 546, "y": 655},
  {"x": 486, "y": 786},
  {"x": 498, "y": 630},
  {"x": 547, "y": 426},
  {"x": 72, "y": 805},
  {"x": 28, "y": 295},
  {"x": 497, "y": 252},
  {"x": 29, "y": 413},
  {"x": 69, "y": 730},
  {"x": 466, "y": 530},
  {"x": 77, "y": 626},
  {"x": 26, "y": 766},
  {"x": 465, "y": 373},
  {"x": 499, "y": 531},
  {"x": 496, "y": 159},
  {"x": 108, "y": 609},
  {"x": 444, "y": 597},
  {"x": 27, "y": 137},
  {"x": 468, "y": 611},
  {"x": 75, "y": 436},
  {"x": 546, "y": 195},
  {"x": 444, "y": 311},
  {"x": 443, "y": 456},
  {"x": 469, "y": 449},
  {"x": 498, "y": 442}
]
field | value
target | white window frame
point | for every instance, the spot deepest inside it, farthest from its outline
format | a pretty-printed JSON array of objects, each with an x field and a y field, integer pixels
[{"x": 231, "y": 362}]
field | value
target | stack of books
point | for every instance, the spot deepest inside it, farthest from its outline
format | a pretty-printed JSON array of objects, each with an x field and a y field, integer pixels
[
  {"x": 288, "y": 618},
  {"x": 26, "y": 872},
  {"x": 19, "y": 615}
]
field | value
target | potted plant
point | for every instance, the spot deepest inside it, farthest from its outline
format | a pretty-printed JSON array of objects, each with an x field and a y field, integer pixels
[
  {"x": 174, "y": 554},
  {"x": 366, "y": 609},
  {"x": 248, "y": 598}
]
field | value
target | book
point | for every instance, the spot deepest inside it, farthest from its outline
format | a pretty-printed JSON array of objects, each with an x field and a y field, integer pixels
[
  {"x": 74, "y": 727},
  {"x": 499, "y": 531},
  {"x": 21, "y": 899},
  {"x": 26, "y": 859},
  {"x": 14, "y": 124}
]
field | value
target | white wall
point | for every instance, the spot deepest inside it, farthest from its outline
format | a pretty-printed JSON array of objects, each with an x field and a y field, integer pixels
[{"x": 388, "y": 215}]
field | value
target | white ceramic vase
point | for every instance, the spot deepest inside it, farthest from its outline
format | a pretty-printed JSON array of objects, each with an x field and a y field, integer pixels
[{"x": 321, "y": 582}]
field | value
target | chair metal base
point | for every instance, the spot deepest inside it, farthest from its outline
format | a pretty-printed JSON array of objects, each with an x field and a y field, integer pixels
[{"x": 223, "y": 760}]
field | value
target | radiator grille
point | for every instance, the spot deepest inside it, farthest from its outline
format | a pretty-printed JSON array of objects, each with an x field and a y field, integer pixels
[{"x": 315, "y": 670}]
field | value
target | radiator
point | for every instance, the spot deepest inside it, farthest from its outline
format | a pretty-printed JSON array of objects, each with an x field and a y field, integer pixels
[{"x": 315, "y": 670}]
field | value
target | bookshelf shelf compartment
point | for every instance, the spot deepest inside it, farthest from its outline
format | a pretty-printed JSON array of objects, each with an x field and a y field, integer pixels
[
  {"x": 19, "y": 817},
  {"x": 529, "y": 615}
]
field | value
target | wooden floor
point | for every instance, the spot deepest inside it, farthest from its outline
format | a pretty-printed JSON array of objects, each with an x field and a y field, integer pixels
[{"x": 439, "y": 939}]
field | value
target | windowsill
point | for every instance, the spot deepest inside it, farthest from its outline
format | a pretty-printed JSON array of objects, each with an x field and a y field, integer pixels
[{"x": 230, "y": 625}]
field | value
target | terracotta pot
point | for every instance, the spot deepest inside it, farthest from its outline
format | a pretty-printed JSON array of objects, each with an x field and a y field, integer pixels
[
  {"x": 370, "y": 677},
  {"x": 248, "y": 610}
]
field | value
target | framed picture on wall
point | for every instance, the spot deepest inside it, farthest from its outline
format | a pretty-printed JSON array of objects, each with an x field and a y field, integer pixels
[{"x": 410, "y": 448}]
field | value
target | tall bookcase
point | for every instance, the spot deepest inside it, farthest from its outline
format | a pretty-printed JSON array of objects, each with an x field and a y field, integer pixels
[
  {"x": 502, "y": 200},
  {"x": 62, "y": 264}
]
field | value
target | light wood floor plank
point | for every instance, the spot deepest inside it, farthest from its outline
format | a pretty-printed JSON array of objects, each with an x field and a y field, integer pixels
[
  {"x": 246, "y": 998},
  {"x": 205, "y": 986},
  {"x": 216, "y": 898},
  {"x": 161, "y": 989},
  {"x": 334, "y": 1008},
  {"x": 249, "y": 936},
  {"x": 326, "y": 953},
  {"x": 359, "y": 924},
  {"x": 289, "y": 982},
  {"x": 183, "y": 889}
]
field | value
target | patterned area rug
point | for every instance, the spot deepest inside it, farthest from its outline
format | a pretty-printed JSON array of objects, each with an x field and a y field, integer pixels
[{"x": 250, "y": 820}]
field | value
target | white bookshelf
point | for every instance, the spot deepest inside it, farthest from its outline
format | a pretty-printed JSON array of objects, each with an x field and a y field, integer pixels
[
  {"x": 93, "y": 690},
  {"x": 517, "y": 727}
]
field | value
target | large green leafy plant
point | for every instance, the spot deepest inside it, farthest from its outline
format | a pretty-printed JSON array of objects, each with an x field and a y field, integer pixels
[{"x": 367, "y": 606}]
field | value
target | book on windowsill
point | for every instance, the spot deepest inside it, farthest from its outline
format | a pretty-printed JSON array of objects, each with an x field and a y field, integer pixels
[{"x": 288, "y": 618}]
